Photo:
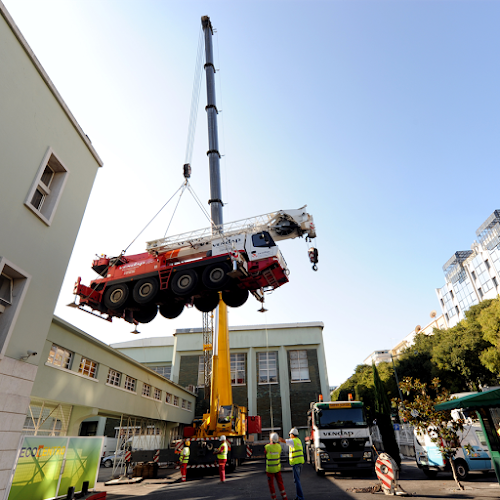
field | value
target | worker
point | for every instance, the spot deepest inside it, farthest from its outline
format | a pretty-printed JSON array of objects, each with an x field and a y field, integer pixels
[
  {"x": 296, "y": 457},
  {"x": 273, "y": 466},
  {"x": 184, "y": 459},
  {"x": 222, "y": 458}
]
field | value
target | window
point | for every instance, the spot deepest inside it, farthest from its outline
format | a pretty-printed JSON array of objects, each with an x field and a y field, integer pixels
[
  {"x": 268, "y": 368},
  {"x": 480, "y": 292},
  {"x": 146, "y": 390},
  {"x": 168, "y": 398},
  {"x": 487, "y": 264},
  {"x": 130, "y": 383},
  {"x": 237, "y": 369},
  {"x": 114, "y": 378},
  {"x": 495, "y": 281},
  {"x": 474, "y": 275},
  {"x": 157, "y": 394},
  {"x": 299, "y": 367},
  {"x": 46, "y": 190},
  {"x": 183, "y": 405},
  {"x": 262, "y": 240},
  {"x": 189, "y": 405},
  {"x": 88, "y": 368},
  {"x": 60, "y": 357},
  {"x": 176, "y": 400},
  {"x": 164, "y": 371},
  {"x": 13, "y": 287}
]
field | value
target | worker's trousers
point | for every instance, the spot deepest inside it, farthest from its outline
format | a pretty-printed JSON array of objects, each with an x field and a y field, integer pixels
[
  {"x": 297, "y": 469},
  {"x": 222, "y": 469},
  {"x": 183, "y": 471},
  {"x": 279, "y": 480}
]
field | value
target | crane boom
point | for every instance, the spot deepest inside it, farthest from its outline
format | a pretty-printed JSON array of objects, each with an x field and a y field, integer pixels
[{"x": 283, "y": 224}]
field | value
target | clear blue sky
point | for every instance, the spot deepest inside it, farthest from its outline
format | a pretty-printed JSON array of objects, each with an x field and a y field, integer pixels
[{"x": 381, "y": 116}]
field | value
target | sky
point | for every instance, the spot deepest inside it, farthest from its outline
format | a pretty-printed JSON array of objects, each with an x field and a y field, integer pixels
[{"x": 382, "y": 116}]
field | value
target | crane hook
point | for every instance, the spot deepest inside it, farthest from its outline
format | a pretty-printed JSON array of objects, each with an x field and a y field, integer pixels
[{"x": 313, "y": 257}]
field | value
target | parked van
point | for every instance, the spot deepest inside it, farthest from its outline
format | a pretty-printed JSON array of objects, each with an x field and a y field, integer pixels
[{"x": 473, "y": 454}]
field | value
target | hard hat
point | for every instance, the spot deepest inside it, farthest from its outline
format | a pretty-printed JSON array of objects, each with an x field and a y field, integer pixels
[
  {"x": 222, "y": 438},
  {"x": 274, "y": 437},
  {"x": 294, "y": 431}
]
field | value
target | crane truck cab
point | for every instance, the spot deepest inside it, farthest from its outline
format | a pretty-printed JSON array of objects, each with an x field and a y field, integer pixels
[{"x": 339, "y": 437}]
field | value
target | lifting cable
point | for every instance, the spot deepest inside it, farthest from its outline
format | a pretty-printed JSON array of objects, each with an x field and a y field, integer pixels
[{"x": 269, "y": 377}]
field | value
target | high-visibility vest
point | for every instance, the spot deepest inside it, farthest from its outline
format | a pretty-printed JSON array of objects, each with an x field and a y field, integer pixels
[
  {"x": 185, "y": 455},
  {"x": 273, "y": 453},
  {"x": 296, "y": 454},
  {"x": 222, "y": 455}
]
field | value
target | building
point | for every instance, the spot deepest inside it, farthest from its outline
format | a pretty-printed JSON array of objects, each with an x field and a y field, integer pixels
[
  {"x": 48, "y": 168},
  {"x": 377, "y": 357},
  {"x": 276, "y": 371},
  {"x": 472, "y": 276}
]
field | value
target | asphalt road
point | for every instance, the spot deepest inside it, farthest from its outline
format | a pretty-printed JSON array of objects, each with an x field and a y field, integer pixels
[{"x": 249, "y": 481}]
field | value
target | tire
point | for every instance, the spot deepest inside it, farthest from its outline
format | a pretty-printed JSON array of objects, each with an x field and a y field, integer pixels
[
  {"x": 145, "y": 290},
  {"x": 319, "y": 472},
  {"x": 172, "y": 309},
  {"x": 431, "y": 474},
  {"x": 235, "y": 297},
  {"x": 115, "y": 296},
  {"x": 146, "y": 313},
  {"x": 215, "y": 277},
  {"x": 207, "y": 303},
  {"x": 184, "y": 282},
  {"x": 107, "y": 463},
  {"x": 461, "y": 469}
]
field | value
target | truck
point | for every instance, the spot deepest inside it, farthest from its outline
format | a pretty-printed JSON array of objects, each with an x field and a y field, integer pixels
[
  {"x": 192, "y": 268},
  {"x": 339, "y": 437}
]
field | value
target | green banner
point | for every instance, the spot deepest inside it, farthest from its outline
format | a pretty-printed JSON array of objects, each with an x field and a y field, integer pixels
[
  {"x": 83, "y": 458},
  {"x": 38, "y": 468},
  {"x": 47, "y": 466}
]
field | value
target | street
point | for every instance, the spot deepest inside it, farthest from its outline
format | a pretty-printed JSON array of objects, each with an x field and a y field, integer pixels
[{"x": 250, "y": 481}]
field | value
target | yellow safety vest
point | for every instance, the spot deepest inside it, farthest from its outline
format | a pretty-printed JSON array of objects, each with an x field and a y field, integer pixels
[
  {"x": 296, "y": 454},
  {"x": 223, "y": 451},
  {"x": 185, "y": 455},
  {"x": 273, "y": 453}
]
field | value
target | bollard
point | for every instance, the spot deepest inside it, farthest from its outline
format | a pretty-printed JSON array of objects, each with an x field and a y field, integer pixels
[
  {"x": 71, "y": 493},
  {"x": 85, "y": 487}
]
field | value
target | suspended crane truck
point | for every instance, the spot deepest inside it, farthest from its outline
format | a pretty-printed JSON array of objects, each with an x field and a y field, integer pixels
[{"x": 191, "y": 268}]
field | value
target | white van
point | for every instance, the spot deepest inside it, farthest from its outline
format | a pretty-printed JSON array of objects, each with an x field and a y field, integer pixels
[{"x": 473, "y": 454}]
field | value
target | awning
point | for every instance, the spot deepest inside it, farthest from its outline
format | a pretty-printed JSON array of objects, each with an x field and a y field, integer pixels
[{"x": 478, "y": 400}]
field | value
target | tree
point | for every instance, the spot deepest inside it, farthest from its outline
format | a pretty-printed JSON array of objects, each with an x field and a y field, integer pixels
[
  {"x": 382, "y": 408},
  {"x": 420, "y": 412},
  {"x": 489, "y": 319}
]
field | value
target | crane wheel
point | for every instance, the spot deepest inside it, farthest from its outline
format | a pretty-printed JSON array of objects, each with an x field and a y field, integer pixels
[
  {"x": 146, "y": 314},
  {"x": 215, "y": 277},
  {"x": 145, "y": 290},
  {"x": 115, "y": 296},
  {"x": 171, "y": 310},
  {"x": 207, "y": 303},
  {"x": 235, "y": 297},
  {"x": 184, "y": 282}
]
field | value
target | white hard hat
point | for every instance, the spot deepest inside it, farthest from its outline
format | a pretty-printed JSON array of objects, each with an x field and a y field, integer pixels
[
  {"x": 294, "y": 431},
  {"x": 274, "y": 437},
  {"x": 222, "y": 438}
]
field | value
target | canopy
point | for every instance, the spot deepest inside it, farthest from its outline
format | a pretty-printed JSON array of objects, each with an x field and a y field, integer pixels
[{"x": 478, "y": 400}]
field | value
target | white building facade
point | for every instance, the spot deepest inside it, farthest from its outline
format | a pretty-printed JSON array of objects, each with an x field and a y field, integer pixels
[{"x": 472, "y": 275}]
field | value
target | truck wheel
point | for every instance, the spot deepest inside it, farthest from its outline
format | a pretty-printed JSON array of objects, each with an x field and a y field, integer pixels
[
  {"x": 207, "y": 303},
  {"x": 171, "y": 310},
  {"x": 146, "y": 314},
  {"x": 461, "y": 469},
  {"x": 145, "y": 290},
  {"x": 235, "y": 297},
  {"x": 215, "y": 277},
  {"x": 319, "y": 472},
  {"x": 115, "y": 296},
  {"x": 184, "y": 282}
]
